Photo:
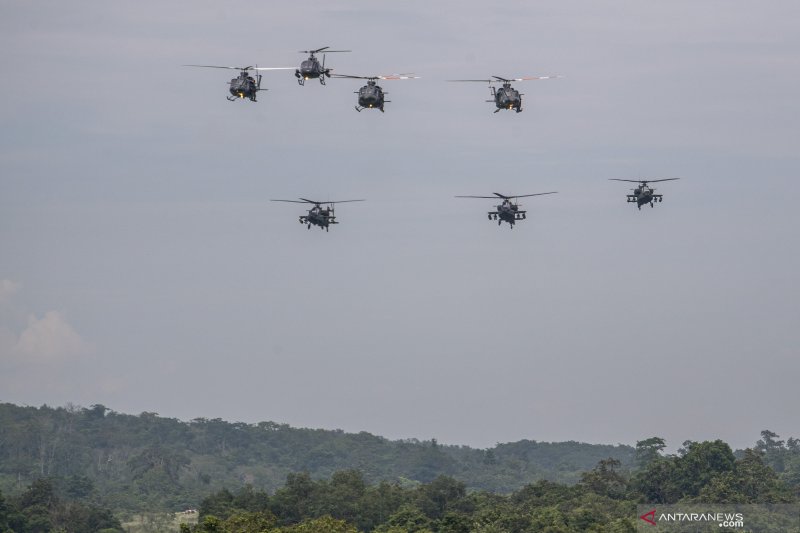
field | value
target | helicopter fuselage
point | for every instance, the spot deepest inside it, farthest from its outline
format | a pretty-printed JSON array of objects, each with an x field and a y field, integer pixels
[
  {"x": 507, "y": 212},
  {"x": 319, "y": 217},
  {"x": 311, "y": 69},
  {"x": 370, "y": 96},
  {"x": 506, "y": 97},
  {"x": 243, "y": 87},
  {"x": 644, "y": 195}
]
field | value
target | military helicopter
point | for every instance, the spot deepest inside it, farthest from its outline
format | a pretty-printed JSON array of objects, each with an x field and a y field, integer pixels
[
  {"x": 507, "y": 97},
  {"x": 317, "y": 215},
  {"x": 509, "y": 210},
  {"x": 371, "y": 95},
  {"x": 644, "y": 194},
  {"x": 244, "y": 86},
  {"x": 311, "y": 67}
]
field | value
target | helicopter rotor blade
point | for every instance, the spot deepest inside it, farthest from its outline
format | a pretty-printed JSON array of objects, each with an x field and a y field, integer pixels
[
  {"x": 217, "y": 66},
  {"x": 405, "y": 76},
  {"x": 528, "y": 78},
  {"x": 293, "y": 201},
  {"x": 644, "y": 181},
  {"x": 323, "y": 49},
  {"x": 507, "y": 197},
  {"x": 345, "y": 201},
  {"x": 499, "y": 79},
  {"x": 534, "y": 194},
  {"x": 250, "y": 67}
]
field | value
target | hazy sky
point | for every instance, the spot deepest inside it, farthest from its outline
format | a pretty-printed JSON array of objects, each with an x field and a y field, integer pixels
[{"x": 143, "y": 267}]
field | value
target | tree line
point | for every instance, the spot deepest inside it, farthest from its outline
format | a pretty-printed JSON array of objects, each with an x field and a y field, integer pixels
[
  {"x": 70, "y": 465},
  {"x": 604, "y": 499},
  {"x": 149, "y": 462}
]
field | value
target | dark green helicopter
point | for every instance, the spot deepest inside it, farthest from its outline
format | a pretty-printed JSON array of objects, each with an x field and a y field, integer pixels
[
  {"x": 318, "y": 215},
  {"x": 644, "y": 194},
  {"x": 372, "y": 95},
  {"x": 311, "y": 68},
  {"x": 244, "y": 86},
  {"x": 507, "y": 97},
  {"x": 509, "y": 210}
]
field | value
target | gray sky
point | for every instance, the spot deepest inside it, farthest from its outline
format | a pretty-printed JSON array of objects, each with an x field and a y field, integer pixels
[{"x": 143, "y": 267}]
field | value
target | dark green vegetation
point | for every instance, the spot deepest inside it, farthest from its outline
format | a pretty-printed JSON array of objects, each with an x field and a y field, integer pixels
[
  {"x": 147, "y": 462},
  {"x": 43, "y": 507},
  {"x": 604, "y": 500},
  {"x": 61, "y": 469}
]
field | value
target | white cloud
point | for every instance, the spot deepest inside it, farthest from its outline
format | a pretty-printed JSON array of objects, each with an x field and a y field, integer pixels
[
  {"x": 7, "y": 288},
  {"x": 49, "y": 338}
]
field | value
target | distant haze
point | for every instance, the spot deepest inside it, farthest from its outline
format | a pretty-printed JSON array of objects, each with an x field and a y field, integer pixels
[{"x": 142, "y": 266}]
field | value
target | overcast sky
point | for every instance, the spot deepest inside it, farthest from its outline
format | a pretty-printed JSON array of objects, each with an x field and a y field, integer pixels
[{"x": 143, "y": 267}]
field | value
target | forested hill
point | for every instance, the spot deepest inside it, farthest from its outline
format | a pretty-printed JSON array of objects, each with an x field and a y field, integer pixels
[{"x": 148, "y": 460}]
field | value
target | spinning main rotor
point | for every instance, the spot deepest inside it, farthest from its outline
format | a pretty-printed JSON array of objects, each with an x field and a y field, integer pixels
[
  {"x": 500, "y": 79},
  {"x": 318, "y": 204},
  {"x": 323, "y": 49},
  {"x": 644, "y": 182},
  {"x": 242, "y": 69},
  {"x": 504, "y": 197}
]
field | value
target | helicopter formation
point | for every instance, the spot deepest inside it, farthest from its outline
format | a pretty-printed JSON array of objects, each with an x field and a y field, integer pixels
[
  {"x": 507, "y": 211},
  {"x": 371, "y": 95}
]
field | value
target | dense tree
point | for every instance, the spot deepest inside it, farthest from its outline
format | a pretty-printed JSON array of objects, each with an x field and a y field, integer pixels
[
  {"x": 440, "y": 495},
  {"x": 649, "y": 450},
  {"x": 60, "y": 470},
  {"x": 700, "y": 463},
  {"x": 3, "y": 513},
  {"x": 605, "y": 479},
  {"x": 40, "y": 509},
  {"x": 148, "y": 463}
]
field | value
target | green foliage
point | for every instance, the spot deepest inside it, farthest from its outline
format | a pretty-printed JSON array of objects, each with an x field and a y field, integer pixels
[
  {"x": 148, "y": 463},
  {"x": 318, "y": 525},
  {"x": 649, "y": 450},
  {"x": 248, "y": 522},
  {"x": 605, "y": 479},
  {"x": 62, "y": 469},
  {"x": 40, "y": 509}
]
